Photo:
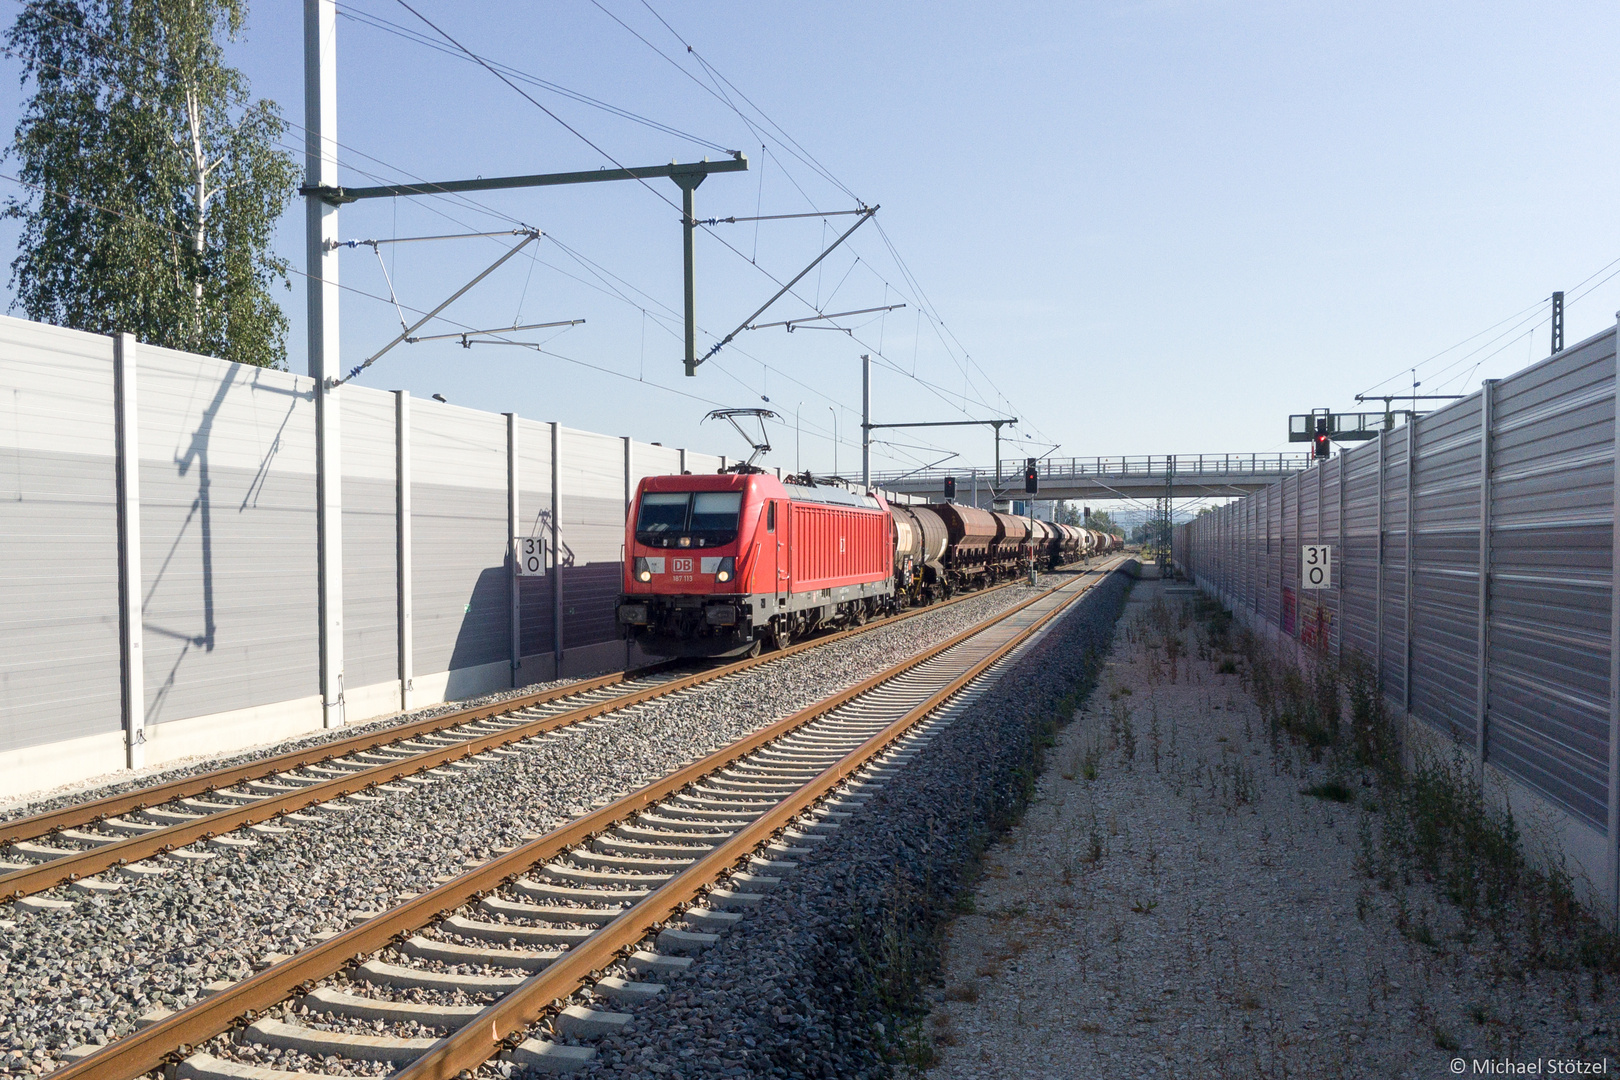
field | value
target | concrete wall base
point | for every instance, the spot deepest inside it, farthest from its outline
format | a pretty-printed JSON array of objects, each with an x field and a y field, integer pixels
[
  {"x": 40, "y": 768},
  {"x": 32, "y": 772}
]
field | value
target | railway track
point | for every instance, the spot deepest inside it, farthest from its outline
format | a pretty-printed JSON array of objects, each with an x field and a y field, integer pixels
[
  {"x": 224, "y": 808},
  {"x": 535, "y": 953}
]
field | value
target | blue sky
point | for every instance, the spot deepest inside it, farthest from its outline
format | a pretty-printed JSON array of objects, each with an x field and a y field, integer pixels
[{"x": 1146, "y": 227}]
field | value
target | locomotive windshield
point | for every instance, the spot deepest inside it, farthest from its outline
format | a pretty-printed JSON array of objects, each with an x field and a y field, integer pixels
[
  {"x": 688, "y": 519},
  {"x": 662, "y": 512}
]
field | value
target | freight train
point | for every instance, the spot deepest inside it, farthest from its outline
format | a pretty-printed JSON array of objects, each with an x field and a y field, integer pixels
[{"x": 725, "y": 564}]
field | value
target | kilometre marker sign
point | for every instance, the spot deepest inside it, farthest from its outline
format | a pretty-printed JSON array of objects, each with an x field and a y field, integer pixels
[
  {"x": 530, "y": 552},
  {"x": 1316, "y": 566}
]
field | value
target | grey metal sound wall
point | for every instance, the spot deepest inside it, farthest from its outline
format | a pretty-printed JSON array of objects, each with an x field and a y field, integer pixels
[
  {"x": 222, "y": 627},
  {"x": 1484, "y": 529},
  {"x": 227, "y": 521},
  {"x": 59, "y": 639}
]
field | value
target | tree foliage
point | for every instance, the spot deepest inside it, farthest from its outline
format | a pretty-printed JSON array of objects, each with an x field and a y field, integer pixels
[
  {"x": 154, "y": 181},
  {"x": 1103, "y": 521}
]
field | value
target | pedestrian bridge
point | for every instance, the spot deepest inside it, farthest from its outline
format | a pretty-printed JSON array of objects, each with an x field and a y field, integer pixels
[{"x": 1097, "y": 479}]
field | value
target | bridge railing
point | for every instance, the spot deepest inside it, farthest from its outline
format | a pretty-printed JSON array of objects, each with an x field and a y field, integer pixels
[{"x": 1157, "y": 465}]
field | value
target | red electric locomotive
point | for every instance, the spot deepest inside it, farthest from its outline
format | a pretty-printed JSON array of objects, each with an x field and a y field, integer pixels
[{"x": 718, "y": 565}]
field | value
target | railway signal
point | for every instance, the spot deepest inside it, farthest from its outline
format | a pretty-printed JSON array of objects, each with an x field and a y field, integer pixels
[
  {"x": 1032, "y": 477},
  {"x": 950, "y": 487},
  {"x": 1321, "y": 445}
]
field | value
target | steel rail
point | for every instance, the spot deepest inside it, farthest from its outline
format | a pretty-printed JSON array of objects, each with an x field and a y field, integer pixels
[
  {"x": 175, "y": 1036},
  {"x": 85, "y": 863},
  {"x": 481, "y": 1037}
]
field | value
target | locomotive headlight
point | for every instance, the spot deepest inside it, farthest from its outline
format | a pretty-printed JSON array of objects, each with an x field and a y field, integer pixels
[
  {"x": 724, "y": 568},
  {"x": 645, "y": 568},
  {"x": 645, "y": 575}
]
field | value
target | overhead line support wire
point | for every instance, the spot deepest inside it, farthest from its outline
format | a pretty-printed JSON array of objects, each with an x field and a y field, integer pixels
[
  {"x": 416, "y": 239},
  {"x": 778, "y": 217},
  {"x": 532, "y": 236},
  {"x": 866, "y": 215},
  {"x": 789, "y": 323},
  {"x": 465, "y": 335}
]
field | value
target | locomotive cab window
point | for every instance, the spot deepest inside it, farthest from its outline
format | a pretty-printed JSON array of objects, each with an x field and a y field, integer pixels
[
  {"x": 662, "y": 513},
  {"x": 688, "y": 519},
  {"x": 770, "y": 517},
  {"x": 714, "y": 516}
]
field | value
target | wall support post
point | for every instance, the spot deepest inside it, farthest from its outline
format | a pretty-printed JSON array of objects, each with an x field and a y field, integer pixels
[
  {"x": 1487, "y": 410},
  {"x": 556, "y": 549},
  {"x": 131, "y": 658},
  {"x": 1344, "y": 533},
  {"x": 1411, "y": 536},
  {"x": 1614, "y": 667},
  {"x": 1378, "y": 648},
  {"x": 512, "y": 553},
  {"x": 402, "y": 540}
]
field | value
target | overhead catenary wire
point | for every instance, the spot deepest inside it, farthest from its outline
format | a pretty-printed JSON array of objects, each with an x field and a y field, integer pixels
[
  {"x": 1518, "y": 320},
  {"x": 798, "y": 151},
  {"x": 377, "y": 22},
  {"x": 479, "y": 207},
  {"x": 473, "y": 56},
  {"x": 462, "y": 200}
]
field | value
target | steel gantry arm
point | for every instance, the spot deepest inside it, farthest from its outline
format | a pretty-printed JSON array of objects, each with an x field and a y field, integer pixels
[
  {"x": 338, "y": 195},
  {"x": 687, "y": 176}
]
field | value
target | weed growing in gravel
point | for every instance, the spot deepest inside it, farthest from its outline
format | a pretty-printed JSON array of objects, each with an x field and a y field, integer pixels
[
  {"x": 916, "y": 1052},
  {"x": 1096, "y": 845},
  {"x": 1091, "y": 762},
  {"x": 1125, "y": 732},
  {"x": 1153, "y": 734},
  {"x": 1434, "y": 818}
]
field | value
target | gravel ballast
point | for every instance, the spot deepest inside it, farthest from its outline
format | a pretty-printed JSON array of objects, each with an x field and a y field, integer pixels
[
  {"x": 83, "y": 976},
  {"x": 823, "y": 979},
  {"x": 1176, "y": 904}
]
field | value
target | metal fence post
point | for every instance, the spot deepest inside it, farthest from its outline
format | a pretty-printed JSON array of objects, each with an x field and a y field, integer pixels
[
  {"x": 556, "y": 548},
  {"x": 1487, "y": 402},
  {"x": 402, "y": 541},
  {"x": 512, "y": 554},
  {"x": 130, "y": 657}
]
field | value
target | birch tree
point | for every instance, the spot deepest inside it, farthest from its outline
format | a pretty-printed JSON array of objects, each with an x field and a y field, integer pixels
[{"x": 153, "y": 181}]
